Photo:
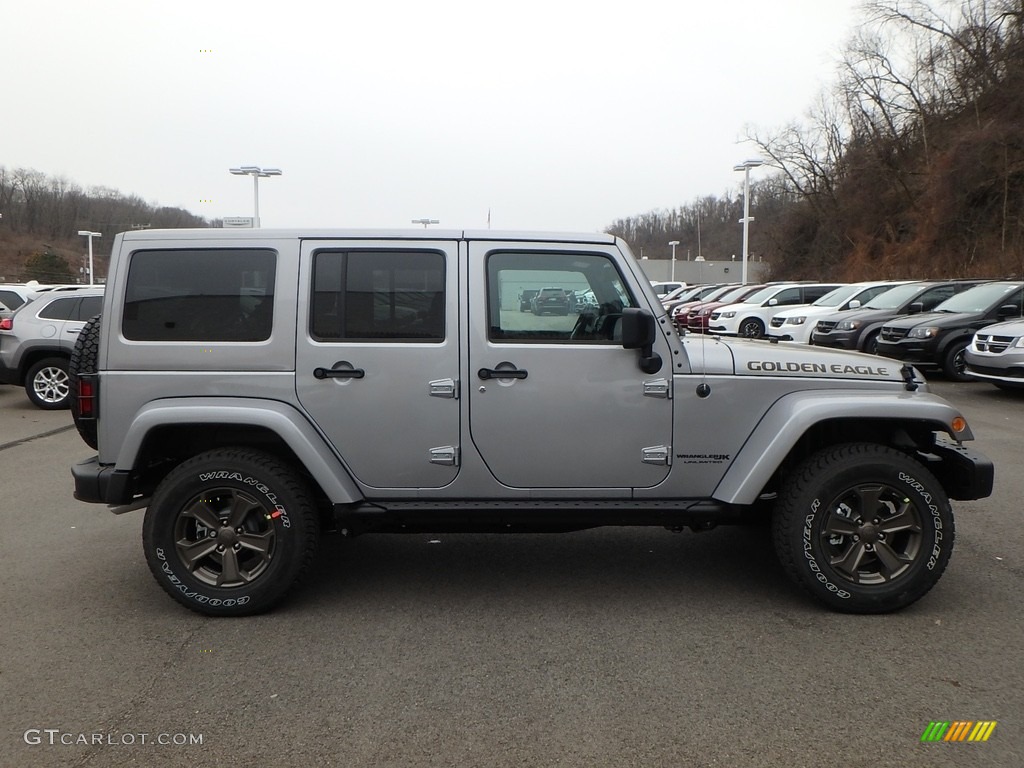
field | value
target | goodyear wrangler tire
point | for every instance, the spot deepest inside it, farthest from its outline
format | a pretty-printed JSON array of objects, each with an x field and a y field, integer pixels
[
  {"x": 864, "y": 528},
  {"x": 83, "y": 360},
  {"x": 230, "y": 531}
]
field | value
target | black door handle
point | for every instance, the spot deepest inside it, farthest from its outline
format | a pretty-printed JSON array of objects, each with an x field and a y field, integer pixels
[
  {"x": 491, "y": 373},
  {"x": 338, "y": 373}
]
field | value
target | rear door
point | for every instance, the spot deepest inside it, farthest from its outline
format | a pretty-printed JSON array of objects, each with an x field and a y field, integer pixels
[
  {"x": 377, "y": 357},
  {"x": 555, "y": 401}
]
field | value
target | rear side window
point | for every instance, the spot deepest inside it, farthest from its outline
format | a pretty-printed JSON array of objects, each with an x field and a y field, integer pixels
[
  {"x": 61, "y": 309},
  {"x": 214, "y": 294},
  {"x": 378, "y": 296}
]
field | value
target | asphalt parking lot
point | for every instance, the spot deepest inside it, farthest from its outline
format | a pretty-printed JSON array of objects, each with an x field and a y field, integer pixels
[{"x": 599, "y": 648}]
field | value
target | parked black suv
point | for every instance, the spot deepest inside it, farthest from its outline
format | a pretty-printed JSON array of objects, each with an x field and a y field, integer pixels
[
  {"x": 858, "y": 329},
  {"x": 938, "y": 339}
]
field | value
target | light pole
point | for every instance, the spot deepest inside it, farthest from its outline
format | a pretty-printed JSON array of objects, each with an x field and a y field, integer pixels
[
  {"x": 745, "y": 166},
  {"x": 673, "y": 243},
  {"x": 257, "y": 173},
  {"x": 425, "y": 222},
  {"x": 90, "y": 235}
]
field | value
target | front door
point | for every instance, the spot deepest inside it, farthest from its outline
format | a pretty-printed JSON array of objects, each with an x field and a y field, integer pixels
[
  {"x": 377, "y": 357},
  {"x": 555, "y": 401}
]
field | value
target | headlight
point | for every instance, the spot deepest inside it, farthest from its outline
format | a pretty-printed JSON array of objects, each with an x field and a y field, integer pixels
[
  {"x": 795, "y": 320},
  {"x": 708, "y": 312},
  {"x": 849, "y": 325},
  {"x": 929, "y": 332},
  {"x": 1020, "y": 342},
  {"x": 728, "y": 314}
]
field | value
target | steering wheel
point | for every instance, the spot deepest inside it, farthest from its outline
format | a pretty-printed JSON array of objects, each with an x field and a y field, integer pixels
[{"x": 584, "y": 328}]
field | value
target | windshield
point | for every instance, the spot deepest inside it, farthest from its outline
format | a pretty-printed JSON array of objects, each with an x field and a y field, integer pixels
[
  {"x": 981, "y": 298},
  {"x": 838, "y": 296},
  {"x": 735, "y": 295},
  {"x": 895, "y": 297},
  {"x": 762, "y": 295}
]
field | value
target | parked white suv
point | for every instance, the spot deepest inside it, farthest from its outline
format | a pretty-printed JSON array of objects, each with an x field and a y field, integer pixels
[
  {"x": 798, "y": 324},
  {"x": 750, "y": 318}
]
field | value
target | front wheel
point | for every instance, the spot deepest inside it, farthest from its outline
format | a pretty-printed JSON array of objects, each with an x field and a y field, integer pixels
[
  {"x": 47, "y": 384},
  {"x": 871, "y": 344},
  {"x": 954, "y": 362},
  {"x": 230, "y": 531},
  {"x": 864, "y": 528},
  {"x": 751, "y": 328}
]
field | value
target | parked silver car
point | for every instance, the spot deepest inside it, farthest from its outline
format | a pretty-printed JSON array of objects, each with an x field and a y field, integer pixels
[{"x": 996, "y": 354}]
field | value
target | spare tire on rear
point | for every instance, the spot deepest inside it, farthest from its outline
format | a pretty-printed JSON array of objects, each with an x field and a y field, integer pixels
[{"x": 83, "y": 361}]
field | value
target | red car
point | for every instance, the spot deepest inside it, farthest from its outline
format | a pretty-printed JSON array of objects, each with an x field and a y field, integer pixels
[
  {"x": 678, "y": 312},
  {"x": 696, "y": 320}
]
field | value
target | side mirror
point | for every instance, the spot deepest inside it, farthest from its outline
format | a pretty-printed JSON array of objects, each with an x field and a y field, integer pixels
[
  {"x": 772, "y": 302},
  {"x": 916, "y": 308},
  {"x": 639, "y": 332},
  {"x": 855, "y": 304},
  {"x": 1007, "y": 310}
]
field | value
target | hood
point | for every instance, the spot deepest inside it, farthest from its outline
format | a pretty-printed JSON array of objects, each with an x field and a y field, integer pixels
[
  {"x": 938, "y": 319},
  {"x": 763, "y": 358}
]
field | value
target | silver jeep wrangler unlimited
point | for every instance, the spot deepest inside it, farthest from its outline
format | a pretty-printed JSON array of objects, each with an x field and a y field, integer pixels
[{"x": 254, "y": 388}]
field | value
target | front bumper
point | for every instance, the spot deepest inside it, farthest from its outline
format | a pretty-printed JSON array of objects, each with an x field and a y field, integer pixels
[
  {"x": 965, "y": 474},
  {"x": 920, "y": 352},
  {"x": 835, "y": 339}
]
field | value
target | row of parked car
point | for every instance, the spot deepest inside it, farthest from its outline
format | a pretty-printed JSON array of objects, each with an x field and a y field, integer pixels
[
  {"x": 968, "y": 329},
  {"x": 39, "y": 325}
]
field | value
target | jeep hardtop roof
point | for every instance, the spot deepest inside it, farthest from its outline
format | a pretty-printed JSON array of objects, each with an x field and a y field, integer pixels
[{"x": 219, "y": 233}]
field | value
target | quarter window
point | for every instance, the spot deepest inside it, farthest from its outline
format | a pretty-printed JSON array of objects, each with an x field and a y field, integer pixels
[
  {"x": 375, "y": 296},
  {"x": 200, "y": 295}
]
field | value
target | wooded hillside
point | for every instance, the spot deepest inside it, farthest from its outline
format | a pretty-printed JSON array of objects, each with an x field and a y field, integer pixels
[
  {"x": 912, "y": 166},
  {"x": 42, "y": 216}
]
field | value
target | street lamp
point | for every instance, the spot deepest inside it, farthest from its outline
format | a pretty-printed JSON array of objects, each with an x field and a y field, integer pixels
[
  {"x": 425, "y": 222},
  {"x": 745, "y": 166},
  {"x": 257, "y": 173},
  {"x": 673, "y": 243},
  {"x": 90, "y": 235}
]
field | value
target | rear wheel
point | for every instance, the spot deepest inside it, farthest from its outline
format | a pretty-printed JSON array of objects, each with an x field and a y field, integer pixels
[
  {"x": 230, "y": 531},
  {"x": 864, "y": 528},
  {"x": 47, "y": 384}
]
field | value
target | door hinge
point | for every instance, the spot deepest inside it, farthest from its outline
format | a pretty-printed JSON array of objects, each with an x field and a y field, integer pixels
[
  {"x": 658, "y": 388},
  {"x": 444, "y": 388},
  {"x": 446, "y": 455},
  {"x": 657, "y": 454}
]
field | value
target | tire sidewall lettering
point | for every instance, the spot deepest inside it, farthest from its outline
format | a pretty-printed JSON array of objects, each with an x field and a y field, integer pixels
[
  {"x": 812, "y": 562},
  {"x": 933, "y": 509},
  {"x": 256, "y": 484},
  {"x": 187, "y": 591}
]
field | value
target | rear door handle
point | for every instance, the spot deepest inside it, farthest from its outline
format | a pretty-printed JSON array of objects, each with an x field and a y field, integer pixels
[
  {"x": 338, "y": 373},
  {"x": 500, "y": 373}
]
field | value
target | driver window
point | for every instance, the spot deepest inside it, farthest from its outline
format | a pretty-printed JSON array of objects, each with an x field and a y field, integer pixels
[{"x": 555, "y": 298}]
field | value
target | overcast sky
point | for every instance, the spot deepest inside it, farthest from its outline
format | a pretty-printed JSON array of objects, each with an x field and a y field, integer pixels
[{"x": 554, "y": 114}]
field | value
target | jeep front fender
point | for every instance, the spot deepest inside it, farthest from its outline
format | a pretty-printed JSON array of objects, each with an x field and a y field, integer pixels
[
  {"x": 283, "y": 420},
  {"x": 792, "y": 415}
]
